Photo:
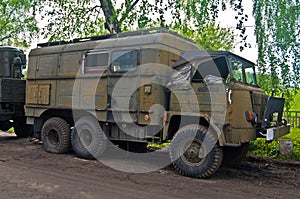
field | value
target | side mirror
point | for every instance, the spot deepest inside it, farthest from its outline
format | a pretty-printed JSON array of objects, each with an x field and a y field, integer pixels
[
  {"x": 115, "y": 67},
  {"x": 17, "y": 61},
  {"x": 23, "y": 58}
]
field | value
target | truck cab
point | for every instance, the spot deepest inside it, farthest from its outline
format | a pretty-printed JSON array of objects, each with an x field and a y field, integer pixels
[{"x": 248, "y": 108}]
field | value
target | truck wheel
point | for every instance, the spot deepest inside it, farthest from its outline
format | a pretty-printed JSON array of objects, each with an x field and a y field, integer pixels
[
  {"x": 6, "y": 125},
  {"x": 22, "y": 129},
  {"x": 189, "y": 152},
  {"x": 88, "y": 139},
  {"x": 56, "y": 135}
]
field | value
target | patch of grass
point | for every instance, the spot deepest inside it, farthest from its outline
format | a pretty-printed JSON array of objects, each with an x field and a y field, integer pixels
[
  {"x": 159, "y": 146},
  {"x": 11, "y": 130},
  {"x": 296, "y": 104},
  {"x": 261, "y": 148}
]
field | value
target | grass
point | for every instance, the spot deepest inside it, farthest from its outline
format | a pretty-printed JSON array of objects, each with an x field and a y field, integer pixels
[
  {"x": 261, "y": 148},
  {"x": 159, "y": 146},
  {"x": 296, "y": 104},
  {"x": 11, "y": 130}
]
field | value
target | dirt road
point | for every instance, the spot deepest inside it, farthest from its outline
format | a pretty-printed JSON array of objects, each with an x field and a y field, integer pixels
[{"x": 29, "y": 172}]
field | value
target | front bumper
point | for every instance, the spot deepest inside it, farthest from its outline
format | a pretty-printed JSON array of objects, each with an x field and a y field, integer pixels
[{"x": 276, "y": 132}]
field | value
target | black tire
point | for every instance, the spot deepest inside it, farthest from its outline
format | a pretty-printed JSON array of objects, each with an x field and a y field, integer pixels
[
  {"x": 5, "y": 125},
  {"x": 185, "y": 150},
  {"x": 88, "y": 139},
  {"x": 56, "y": 135},
  {"x": 22, "y": 129}
]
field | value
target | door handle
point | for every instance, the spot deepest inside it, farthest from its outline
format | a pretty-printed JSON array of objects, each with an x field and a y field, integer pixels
[{"x": 229, "y": 97}]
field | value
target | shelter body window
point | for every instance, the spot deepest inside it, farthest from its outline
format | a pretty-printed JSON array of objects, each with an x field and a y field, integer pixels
[
  {"x": 96, "y": 60},
  {"x": 123, "y": 61}
]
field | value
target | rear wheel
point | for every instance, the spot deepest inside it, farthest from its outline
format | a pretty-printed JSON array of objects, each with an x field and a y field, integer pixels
[
  {"x": 5, "y": 125},
  {"x": 195, "y": 153},
  {"x": 88, "y": 138},
  {"x": 56, "y": 135}
]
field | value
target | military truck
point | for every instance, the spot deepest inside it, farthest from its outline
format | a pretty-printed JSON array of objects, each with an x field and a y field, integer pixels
[
  {"x": 12, "y": 91},
  {"x": 148, "y": 86}
]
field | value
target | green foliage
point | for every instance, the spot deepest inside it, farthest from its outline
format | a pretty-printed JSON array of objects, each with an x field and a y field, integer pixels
[
  {"x": 159, "y": 146},
  {"x": 296, "y": 103},
  {"x": 209, "y": 37},
  {"x": 17, "y": 22},
  {"x": 277, "y": 33},
  {"x": 265, "y": 81},
  {"x": 192, "y": 18},
  {"x": 260, "y": 147},
  {"x": 82, "y": 18},
  {"x": 69, "y": 19}
]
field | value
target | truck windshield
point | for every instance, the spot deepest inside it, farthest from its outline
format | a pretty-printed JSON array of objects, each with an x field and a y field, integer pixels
[{"x": 243, "y": 71}]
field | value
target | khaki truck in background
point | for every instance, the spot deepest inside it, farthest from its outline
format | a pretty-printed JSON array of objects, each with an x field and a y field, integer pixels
[
  {"x": 148, "y": 86},
  {"x": 12, "y": 91}
]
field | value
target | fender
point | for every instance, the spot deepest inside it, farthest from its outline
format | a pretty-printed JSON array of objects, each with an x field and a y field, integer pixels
[{"x": 191, "y": 118}]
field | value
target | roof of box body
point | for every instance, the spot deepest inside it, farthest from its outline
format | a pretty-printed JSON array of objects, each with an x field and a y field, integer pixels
[
  {"x": 129, "y": 39},
  {"x": 6, "y": 48}
]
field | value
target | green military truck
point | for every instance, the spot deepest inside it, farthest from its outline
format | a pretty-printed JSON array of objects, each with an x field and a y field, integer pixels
[
  {"x": 148, "y": 86},
  {"x": 12, "y": 91}
]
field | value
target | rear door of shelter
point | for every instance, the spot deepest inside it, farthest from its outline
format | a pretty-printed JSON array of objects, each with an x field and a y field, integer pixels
[{"x": 122, "y": 86}]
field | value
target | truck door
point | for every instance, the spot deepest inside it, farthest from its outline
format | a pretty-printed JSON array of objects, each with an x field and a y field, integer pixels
[
  {"x": 245, "y": 98},
  {"x": 122, "y": 86}
]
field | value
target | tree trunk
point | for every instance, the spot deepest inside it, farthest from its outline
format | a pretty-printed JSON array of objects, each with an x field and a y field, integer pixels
[{"x": 111, "y": 24}]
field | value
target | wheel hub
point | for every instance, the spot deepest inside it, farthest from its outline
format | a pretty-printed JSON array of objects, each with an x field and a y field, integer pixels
[
  {"x": 192, "y": 155},
  {"x": 85, "y": 138},
  {"x": 53, "y": 137}
]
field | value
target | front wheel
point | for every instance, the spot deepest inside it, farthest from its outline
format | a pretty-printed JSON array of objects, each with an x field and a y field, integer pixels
[{"x": 195, "y": 153}]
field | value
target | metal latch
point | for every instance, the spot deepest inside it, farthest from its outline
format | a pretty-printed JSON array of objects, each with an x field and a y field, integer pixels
[{"x": 270, "y": 134}]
